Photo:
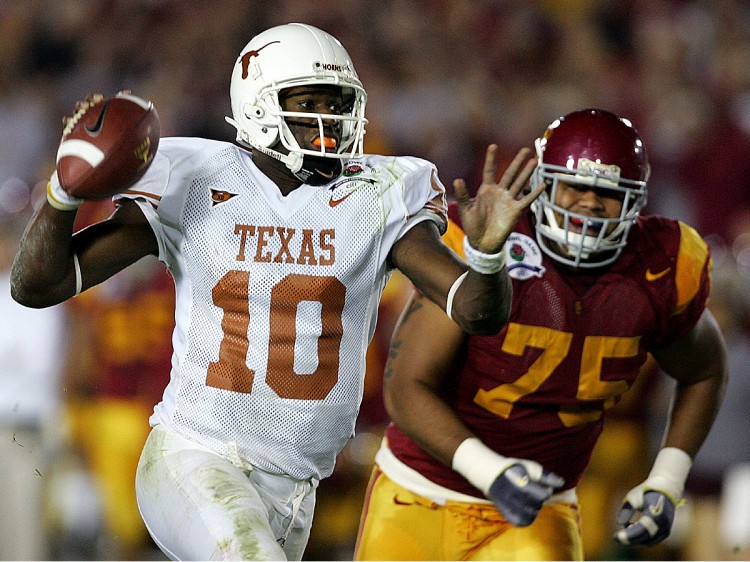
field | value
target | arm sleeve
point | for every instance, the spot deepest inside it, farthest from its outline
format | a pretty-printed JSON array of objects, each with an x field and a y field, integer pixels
[
  {"x": 148, "y": 193},
  {"x": 692, "y": 284},
  {"x": 423, "y": 195}
]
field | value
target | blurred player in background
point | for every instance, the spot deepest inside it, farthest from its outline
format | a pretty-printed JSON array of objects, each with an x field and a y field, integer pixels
[
  {"x": 33, "y": 349},
  {"x": 491, "y": 434},
  {"x": 113, "y": 382},
  {"x": 279, "y": 254}
]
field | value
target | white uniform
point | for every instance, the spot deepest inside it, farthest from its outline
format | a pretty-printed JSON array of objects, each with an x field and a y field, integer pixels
[{"x": 276, "y": 300}]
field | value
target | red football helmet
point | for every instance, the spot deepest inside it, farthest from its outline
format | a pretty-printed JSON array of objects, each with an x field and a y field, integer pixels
[{"x": 596, "y": 148}]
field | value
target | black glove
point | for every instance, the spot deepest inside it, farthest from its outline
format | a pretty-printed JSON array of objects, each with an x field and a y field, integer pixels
[
  {"x": 655, "y": 521},
  {"x": 654, "y": 500},
  {"x": 519, "y": 496}
]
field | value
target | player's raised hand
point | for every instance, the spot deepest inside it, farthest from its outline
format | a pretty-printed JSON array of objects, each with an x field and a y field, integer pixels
[{"x": 489, "y": 218}]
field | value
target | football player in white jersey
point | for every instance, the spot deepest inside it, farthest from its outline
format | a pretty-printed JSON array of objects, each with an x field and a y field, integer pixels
[{"x": 279, "y": 246}]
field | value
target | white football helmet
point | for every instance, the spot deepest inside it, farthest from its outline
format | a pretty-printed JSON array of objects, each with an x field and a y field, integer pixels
[
  {"x": 286, "y": 56},
  {"x": 599, "y": 149}
]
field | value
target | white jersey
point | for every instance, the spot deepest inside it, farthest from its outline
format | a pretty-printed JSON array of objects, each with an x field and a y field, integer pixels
[{"x": 276, "y": 297}]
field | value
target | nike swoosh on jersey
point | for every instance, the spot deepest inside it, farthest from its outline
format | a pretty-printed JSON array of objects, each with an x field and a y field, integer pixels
[
  {"x": 97, "y": 128},
  {"x": 654, "y": 276},
  {"x": 333, "y": 202}
]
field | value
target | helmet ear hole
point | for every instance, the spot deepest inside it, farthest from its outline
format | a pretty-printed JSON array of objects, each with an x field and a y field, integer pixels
[
  {"x": 254, "y": 111},
  {"x": 254, "y": 129}
]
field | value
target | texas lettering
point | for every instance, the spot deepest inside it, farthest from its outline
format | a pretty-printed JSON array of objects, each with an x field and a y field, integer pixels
[{"x": 277, "y": 244}]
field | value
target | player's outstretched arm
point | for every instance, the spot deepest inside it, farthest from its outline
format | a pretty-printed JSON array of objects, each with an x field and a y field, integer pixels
[
  {"x": 698, "y": 363},
  {"x": 415, "y": 373},
  {"x": 52, "y": 264},
  {"x": 477, "y": 299}
]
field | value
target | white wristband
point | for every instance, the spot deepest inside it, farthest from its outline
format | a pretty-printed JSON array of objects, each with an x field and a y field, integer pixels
[
  {"x": 481, "y": 262},
  {"x": 452, "y": 293},
  {"x": 479, "y": 464},
  {"x": 670, "y": 471},
  {"x": 58, "y": 198}
]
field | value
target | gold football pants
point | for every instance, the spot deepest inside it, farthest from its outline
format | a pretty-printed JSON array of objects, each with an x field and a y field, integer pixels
[{"x": 399, "y": 525}]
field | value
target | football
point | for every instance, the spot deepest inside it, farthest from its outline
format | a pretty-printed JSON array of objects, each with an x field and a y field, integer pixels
[{"x": 107, "y": 145}]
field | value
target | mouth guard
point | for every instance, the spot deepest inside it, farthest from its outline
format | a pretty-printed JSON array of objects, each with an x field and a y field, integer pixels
[{"x": 329, "y": 142}]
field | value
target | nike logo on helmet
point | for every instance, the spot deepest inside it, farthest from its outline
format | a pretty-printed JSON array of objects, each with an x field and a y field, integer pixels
[
  {"x": 654, "y": 276},
  {"x": 97, "y": 128}
]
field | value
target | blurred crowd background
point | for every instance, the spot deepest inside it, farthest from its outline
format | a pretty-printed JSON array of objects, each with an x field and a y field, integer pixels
[{"x": 445, "y": 78}]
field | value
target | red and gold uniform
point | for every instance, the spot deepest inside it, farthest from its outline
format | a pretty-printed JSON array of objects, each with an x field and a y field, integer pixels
[{"x": 540, "y": 389}]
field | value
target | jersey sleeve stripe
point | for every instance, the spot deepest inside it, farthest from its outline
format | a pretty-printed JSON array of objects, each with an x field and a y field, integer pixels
[
  {"x": 143, "y": 194},
  {"x": 691, "y": 259}
]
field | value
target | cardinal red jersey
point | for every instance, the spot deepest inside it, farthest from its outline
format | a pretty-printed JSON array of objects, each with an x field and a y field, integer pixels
[{"x": 574, "y": 343}]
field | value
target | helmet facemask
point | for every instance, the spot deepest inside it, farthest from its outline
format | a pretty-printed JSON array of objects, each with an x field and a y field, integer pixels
[
  {"x": 320, "y": 166},
  {"x": 598, "y": 243}
]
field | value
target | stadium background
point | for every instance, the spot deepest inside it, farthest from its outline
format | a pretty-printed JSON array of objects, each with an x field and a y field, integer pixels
[{"x": 444, "y": 79}]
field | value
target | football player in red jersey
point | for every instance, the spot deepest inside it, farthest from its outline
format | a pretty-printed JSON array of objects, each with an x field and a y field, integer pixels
[{"x": 491, "y": 434}]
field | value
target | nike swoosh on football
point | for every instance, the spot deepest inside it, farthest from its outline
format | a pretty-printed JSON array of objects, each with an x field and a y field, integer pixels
[
  {"x": 654, "y": 276},
  {"x": 333, "y": 202},
  {"x": 97, "y": 128}
]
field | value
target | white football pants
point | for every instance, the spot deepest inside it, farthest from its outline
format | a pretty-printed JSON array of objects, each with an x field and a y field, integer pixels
[{"x": 198, "y": 505}]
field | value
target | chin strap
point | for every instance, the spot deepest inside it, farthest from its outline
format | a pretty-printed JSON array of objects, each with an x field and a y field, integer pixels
[
  {"x": 315, "y": 170},
  {"x": 312, "y": 170}
]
